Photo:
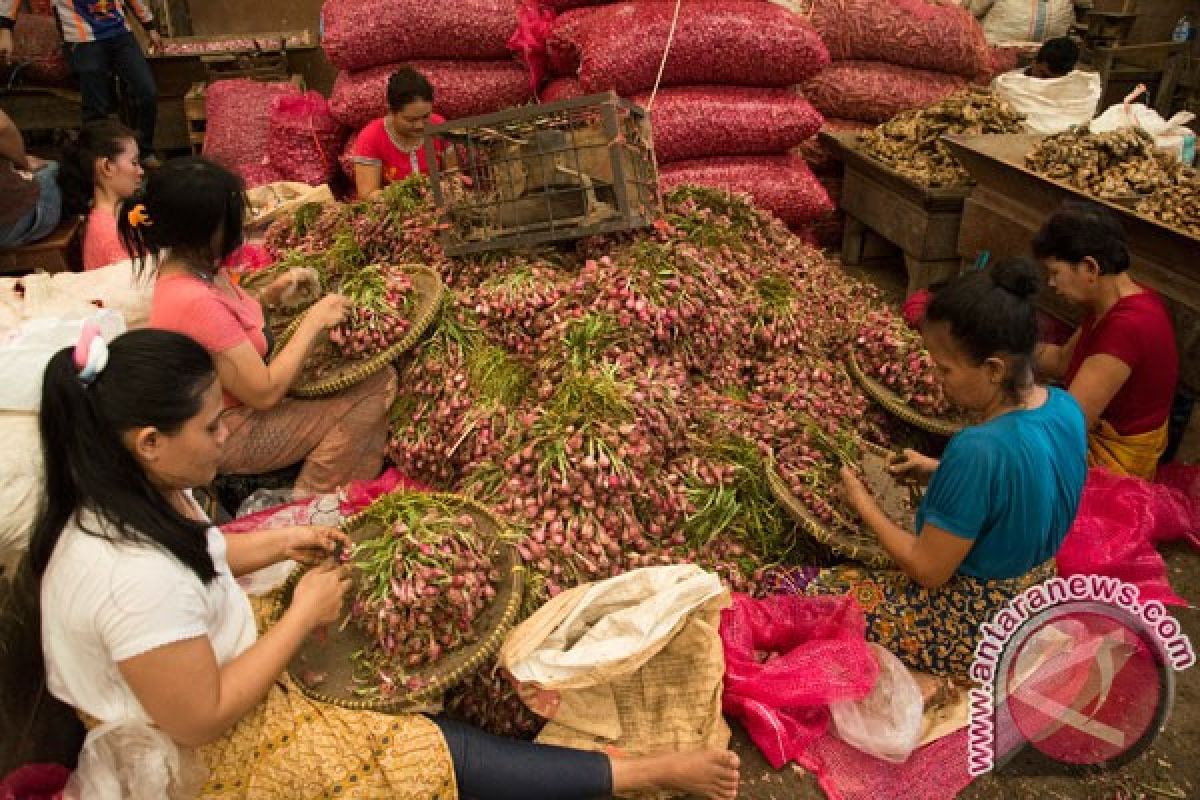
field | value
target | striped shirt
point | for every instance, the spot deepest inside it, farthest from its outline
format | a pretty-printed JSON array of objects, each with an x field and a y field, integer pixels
[{"x": 87, "y": 20}]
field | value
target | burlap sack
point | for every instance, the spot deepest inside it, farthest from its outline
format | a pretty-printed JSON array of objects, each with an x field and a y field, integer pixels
[{"x": 631, "y": 665}]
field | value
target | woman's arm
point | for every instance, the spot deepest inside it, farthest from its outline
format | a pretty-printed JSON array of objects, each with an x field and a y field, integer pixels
[
  {"x": 368, "y": 179},
  {"x": 194, "y": 700},
  {"x": 260, "y": 385},
  {"x": 1099, "y": 379},
  {"x": 308, "y": 544},
  {"x": 1051, "y": 360}
]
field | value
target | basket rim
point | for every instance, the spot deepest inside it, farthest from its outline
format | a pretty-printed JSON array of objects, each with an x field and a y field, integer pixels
[
  {"x": 895, "y": 405},
  {"x": 513, "y": 584},
  {"x": 429, "y": 306}
]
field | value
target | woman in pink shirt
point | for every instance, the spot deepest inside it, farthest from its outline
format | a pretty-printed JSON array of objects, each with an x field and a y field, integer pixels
[
  {"x": 193, "y": 210},
  {"x": 100, "y": 170}
]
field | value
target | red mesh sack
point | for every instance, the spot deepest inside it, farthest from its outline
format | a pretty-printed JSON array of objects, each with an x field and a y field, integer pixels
[
  {"x": 910, "y": 33},
  {"x": 787, "y": 657},
  {"x": 725, "y": 42},
  {"x": 783, "y": 185},
  {"x": 873, "y": 91},
  {"x": 819, "y": 156},
  {"x": 561, "y": 89},
  {"x": 366, "y": 33},
  {"x": 566, "y": 39},
  {"x": 698, "y": 121},
  {"x": 460, "y": 89},
  {"x": 37, "y": 55},
  {"x": 346, "y": 159},
  {"x": 303, "y": 139},
  {"x": 239, "y": 120},
  {"x": 258, "y": 173}
]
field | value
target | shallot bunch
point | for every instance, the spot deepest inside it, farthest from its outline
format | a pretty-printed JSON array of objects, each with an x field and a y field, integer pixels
[
  {"x": 380, "y": 316},
  {"x": 892, "y": 353}
]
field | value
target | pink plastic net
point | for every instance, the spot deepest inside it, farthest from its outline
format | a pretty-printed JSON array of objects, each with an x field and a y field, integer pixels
[
  {"x": 787, "y": 657},
  {"x": 239, "y": 120},
  {"x": 783, "y": 185},
  {"x": 366, "y": 33},
  {"x": 566, "y": 39},
  {"x": 561, "y": 89},
  {"x": 873, "y": 91},
  {"x": 304, "y": 138},
  {"x": 700, "y": 121},
  {"x": 460, "y": 89},
  {"x": 528, "y": 42}
]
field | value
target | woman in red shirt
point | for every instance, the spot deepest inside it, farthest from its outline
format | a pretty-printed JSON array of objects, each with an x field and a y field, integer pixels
[
  {"x": 193, "y": 209},
  {"x": 392, "y": 148},
  {"x": 1121, "y": 364}
]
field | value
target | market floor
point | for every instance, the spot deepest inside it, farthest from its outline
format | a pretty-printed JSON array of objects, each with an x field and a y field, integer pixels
[{"x": 1168, "y": 770}]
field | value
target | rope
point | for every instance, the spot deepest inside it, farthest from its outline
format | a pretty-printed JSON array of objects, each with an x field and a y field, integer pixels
[{"x": 662, "y": 65}]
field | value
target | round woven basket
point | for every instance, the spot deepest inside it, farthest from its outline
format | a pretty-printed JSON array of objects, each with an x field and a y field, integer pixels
[
  {"x": 857, "y": 543},
  {"x": 429, "y": 290},
  {"x": 895, "y": 405},
  {"x": 332, "y": 655}
]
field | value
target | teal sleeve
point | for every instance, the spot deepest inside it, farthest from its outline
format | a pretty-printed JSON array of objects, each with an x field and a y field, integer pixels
[{"x": 961, "y": 491}]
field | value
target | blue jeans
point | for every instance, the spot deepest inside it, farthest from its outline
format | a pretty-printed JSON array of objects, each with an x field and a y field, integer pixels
[
  {"x": 94, "y": 64},
  {"x": 44, "y": 217}
]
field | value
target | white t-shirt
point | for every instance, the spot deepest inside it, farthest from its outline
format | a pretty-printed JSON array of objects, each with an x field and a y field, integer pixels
[{"x": 105, "y": 602}]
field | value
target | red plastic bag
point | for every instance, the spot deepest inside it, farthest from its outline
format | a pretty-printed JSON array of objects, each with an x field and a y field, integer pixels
[
  {"x": 873, "y": 91},
  {"x": 239, "y": 120},
  {"x": 783, "y": 185},
  {"x": 366, "y": 33},
  {"x": 787, "y": 657},
  {"x": 911, "y": 33},
  {"x": 699, "y": 121},
  {"x": 460, "y": 89},
  {"x": 724, "y": 42},
  {"x": 304, "y": 138},
  {"x": 528, "y": 42}
]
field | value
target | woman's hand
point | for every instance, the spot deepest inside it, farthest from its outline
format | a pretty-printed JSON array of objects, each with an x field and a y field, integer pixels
[
  {"x": 312, "y": 544},
  {"x": 912, "y": 464},
  {"x": 857, "y": 495},
  {"x": 328, "y": 312},
  {"x": 318, "y": 596}
]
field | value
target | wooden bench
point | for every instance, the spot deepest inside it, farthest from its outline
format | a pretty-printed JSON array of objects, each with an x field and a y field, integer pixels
[{"x": 52, "y": 254}]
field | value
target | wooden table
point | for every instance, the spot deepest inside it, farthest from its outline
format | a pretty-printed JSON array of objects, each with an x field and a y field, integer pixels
[
  {"x": 1010, "y": 202},
  {"x": 879, "y": 201}
]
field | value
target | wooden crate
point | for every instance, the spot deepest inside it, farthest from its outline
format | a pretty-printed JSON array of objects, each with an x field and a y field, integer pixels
[{"x": 539, "y": 174}]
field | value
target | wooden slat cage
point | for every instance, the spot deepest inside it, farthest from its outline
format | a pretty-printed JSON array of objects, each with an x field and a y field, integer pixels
[{"x": 539, "y": 174}]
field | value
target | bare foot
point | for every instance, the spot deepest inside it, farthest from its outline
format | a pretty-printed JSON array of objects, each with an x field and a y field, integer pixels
[{"x": 704, "y": 773}]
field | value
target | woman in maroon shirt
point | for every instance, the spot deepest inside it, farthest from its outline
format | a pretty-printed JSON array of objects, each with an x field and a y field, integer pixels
[{"x": 1121, "y": 364}]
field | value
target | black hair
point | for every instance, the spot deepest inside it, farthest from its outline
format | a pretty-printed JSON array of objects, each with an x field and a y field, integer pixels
[
  {"x": 1080, "y": 229},
  {"x": 991, "y": 313},
  {"x": 153, "y": 378},
  {"x": 187, "y": 201},
  {"x": 1059, "y": 54},
  {"x": 104, "y": 138},
  {"x": 406, "y": 85}
]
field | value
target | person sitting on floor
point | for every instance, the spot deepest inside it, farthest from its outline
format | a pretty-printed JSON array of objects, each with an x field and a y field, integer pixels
[
  {"x": 30, "y": 202},
  {"x": 1121, "y": 364},
  {"x": 392, "y": 148},
  {"x": 1056, "y": 58},
  {"x": 100, "y": 170},
  {"x": 128, "y": 429},
  {"x": 194, "y": 209},
  {"x": 1001, "y": 499}
]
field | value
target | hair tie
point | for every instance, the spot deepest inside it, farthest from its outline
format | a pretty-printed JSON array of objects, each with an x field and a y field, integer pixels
[
  {"x": 91, "y": 353},
  {"x": 138, "y": 217}
]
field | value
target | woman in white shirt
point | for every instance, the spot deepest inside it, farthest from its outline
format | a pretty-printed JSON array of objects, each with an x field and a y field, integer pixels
[{"x": 148, "y": 636}]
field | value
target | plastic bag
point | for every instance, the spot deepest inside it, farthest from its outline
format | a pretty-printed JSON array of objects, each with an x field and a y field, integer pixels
[
  {"x": 724, "y": 42},
  {"x": 460, "y": 89},
  {"x": 1051, "y": 105},
  {"x": 239, "y": 120},
  {"x": 873, "y": 91},
  {"x": 303, "y": 140},
  {"x": 366, "y": 33},
  {"x": 783, "y": 185},
  {"x": 133, "y": 760},
  {"x": 887, "y": 722},
  {"x": 700, "y": 121},
  {"x": 528, "y": 42},
  {"x": 1169, "y": 134},
  {"x": 787, "y": 657}
]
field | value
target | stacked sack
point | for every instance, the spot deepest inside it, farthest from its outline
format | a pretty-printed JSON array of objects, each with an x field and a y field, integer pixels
[
  {"x": 37, "y": 58},
  {"x": 461, "y": 46},
  {"x": 725, "y": 113}
]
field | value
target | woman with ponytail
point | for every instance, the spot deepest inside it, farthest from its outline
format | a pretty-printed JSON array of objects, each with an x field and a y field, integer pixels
[
  {"x": 147, "y": 635},
  {"x": 1000, "y": 500},
  {"x": 192, "y": 212},
  {"x": 100, "y": 171}
]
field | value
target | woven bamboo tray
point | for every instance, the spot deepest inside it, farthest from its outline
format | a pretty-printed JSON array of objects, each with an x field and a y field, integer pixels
[
  {"x": 430, "y": 291},
  {"x": 857, "y": 541},
  {"x": 895, "y": 405},
  {"x": 332, "y": 656}
]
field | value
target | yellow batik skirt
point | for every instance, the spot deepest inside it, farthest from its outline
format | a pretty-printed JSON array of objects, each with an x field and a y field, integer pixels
[
  {"x": 1136, "y": 454},
  {"x": 930, "y": 630}
]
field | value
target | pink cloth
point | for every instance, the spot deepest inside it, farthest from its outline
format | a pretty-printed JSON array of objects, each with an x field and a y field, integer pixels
[
  {"x": 35, "y": 782},
  {"x": 101, "y": 243}
]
